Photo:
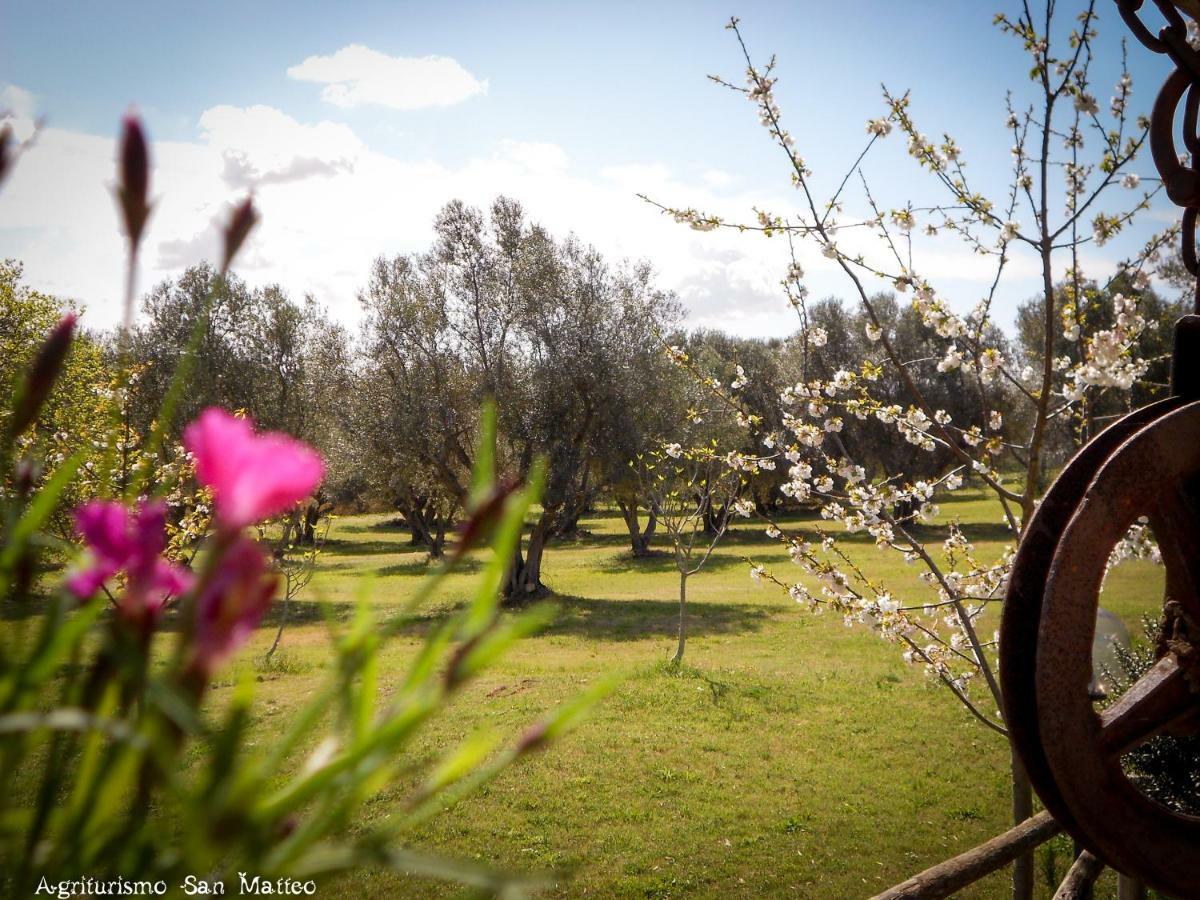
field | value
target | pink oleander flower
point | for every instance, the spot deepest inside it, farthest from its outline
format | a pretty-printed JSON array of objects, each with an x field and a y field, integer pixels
[
  {"x": 252, "y": 476},
  {"x": 123, "y": 540},
  {"x": 231, "y": 603}
]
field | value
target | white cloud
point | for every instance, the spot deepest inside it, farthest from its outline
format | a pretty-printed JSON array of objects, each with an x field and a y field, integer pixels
[
  {"x": 330, "y": 204},
  {"x": 718, "y": 178},
  {"x": 18, "y": 108},
  {"x": 357, "y": 76},
  {"x": 262, "y": 145},
  {"x": 535, "y": 156}
]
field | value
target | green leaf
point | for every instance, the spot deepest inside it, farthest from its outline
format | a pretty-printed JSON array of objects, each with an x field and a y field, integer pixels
[
  {"x": 498, "y": 639},
  {"x": 36, "y": 515},
  {"x": 460, "y": 762},
  {"x": 504, "y": 546}
]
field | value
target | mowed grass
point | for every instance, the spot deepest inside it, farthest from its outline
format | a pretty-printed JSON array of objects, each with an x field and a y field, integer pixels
[{"x": 790, "y": 756}]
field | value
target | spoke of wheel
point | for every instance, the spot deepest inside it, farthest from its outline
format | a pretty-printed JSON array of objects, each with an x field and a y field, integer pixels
[
  {"x": 1176, "y": 524},
  {"x": 1160, "y": 698}
]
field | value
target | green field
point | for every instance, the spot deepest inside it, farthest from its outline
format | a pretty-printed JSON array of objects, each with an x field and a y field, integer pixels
[{"x": 790, "y": 756}]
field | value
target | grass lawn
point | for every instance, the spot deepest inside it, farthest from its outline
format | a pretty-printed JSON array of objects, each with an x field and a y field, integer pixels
[{"x": 791, "y": 756}]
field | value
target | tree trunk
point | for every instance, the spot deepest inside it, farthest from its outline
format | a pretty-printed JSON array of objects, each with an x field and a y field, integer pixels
[
  {"x": 525, "y": 577},
  {"x": 283, "y": 617},
  {"x": 416, "y": 522},
  {"x": 312, "y": 515},
  {"x": 428, "y": 528},
  {"x": 569, "y": 526},
  {"x": 639, "y": 540},
  {"x": 291, "y": 528},
  {"x": 678, "y": 658},
  {"x": 437, "y": 539},
  {"x": 648, "y": 531},
  {"x": 1022, "y": 809}
]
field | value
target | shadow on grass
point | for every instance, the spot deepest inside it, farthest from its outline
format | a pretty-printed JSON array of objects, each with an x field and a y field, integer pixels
[
  {"x": 416, "y": 565},
  {"x": 988, "y": 531},
  {"x": 357, "y": 547},
  {"x": 625, "y": 620},
  {"x": 662, "y": 561},
  {"x": 32, "y": 607},
  {"x": 582, "y": 617},
  {"x": 420, "y": 566}
]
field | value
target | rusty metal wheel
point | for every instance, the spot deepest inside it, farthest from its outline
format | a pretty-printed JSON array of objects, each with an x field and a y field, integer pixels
[
  {"x": 1027, "y": 583},
  {"x": 1154, "y": 473}
]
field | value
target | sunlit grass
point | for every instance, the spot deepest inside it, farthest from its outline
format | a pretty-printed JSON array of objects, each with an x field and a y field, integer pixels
[{"x": 790, "y": 755}]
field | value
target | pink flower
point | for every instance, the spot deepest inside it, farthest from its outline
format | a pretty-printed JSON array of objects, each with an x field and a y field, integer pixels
[
  {"x": 231, "y": 603},
  {"x": 121, "y": 540},
  {"x": 252, "y": 476}
]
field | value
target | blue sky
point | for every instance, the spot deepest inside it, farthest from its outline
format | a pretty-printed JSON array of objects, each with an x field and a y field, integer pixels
[{"x": 584, "y": 105}]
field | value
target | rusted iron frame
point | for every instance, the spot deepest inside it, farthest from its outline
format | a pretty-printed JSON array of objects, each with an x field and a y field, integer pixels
[
  {"x": 1182, "y": 182},
  {"x": 1153, "y": 473}
]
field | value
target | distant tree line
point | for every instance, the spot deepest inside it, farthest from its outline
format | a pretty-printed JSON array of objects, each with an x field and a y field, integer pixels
[{"x": 571, "y": 346}]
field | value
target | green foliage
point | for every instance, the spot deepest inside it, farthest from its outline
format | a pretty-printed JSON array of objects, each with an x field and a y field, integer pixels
[
  {"x": 1166, "y": 767},
  {"x": 76, "y": 413},
  {"x": 116, "y": 763}
]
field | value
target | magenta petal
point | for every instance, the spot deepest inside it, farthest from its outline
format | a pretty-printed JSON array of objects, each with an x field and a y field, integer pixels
[
  {"x": 171, "y": 580},
  {"x": 150, "y": 528},
  {"x": 105, "y": 525},
  {"x": 279, "y": 473},
  {"x": 217, "y": 440},
  {"x": 252, "y": 476},
  {"x": 232, "y": 602},
  {"x": 85, "y": 582}
]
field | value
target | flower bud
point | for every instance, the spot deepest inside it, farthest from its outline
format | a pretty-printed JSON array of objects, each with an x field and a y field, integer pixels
[
  {"x": 6, "y": 150},
  {"x": 25, "y": 475},
  {"x": 229, "y": 605},
  {"x": 534, "y": 737},
  {"x": 243, "y": 219},
  {"x": 483, "y": 520},
  {"x": 134, "y": 178},
  {"x": 43, "y": 374}
]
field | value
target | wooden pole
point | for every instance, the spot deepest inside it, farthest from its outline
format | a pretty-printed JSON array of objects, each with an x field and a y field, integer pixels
[
  {"x": 954, "y": 874},
  {"x": 1130, "y": 888},
  {"x": 1080, "y": 878}
]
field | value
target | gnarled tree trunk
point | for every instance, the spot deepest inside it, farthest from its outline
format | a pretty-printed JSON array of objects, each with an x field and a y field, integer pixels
[
  {"x": 525, "y": 577},
  {"x": 639, "y": 539},
  {"x": 428, "y": 526}
]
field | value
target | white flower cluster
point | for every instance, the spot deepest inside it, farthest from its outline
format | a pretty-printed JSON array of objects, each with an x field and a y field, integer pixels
[
  {"x": 1086, "y": 104},
  {"x": 1138, "y": 543},
  {"x": 1108, "y": 360},
  {"x": 696, "y": 220},
  {"x": 879, "y": 127},
  {"x": 759, "y": 91},
  {"x": 936, "y": 315}
]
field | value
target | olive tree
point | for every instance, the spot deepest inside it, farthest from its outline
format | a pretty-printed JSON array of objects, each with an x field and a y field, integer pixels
[{"x": 560, "y": 339}]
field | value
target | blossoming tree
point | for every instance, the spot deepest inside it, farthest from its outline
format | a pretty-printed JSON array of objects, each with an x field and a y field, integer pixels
[
  {"x": 1070, "y": 188},
  {"x": 694, "y": 495}
]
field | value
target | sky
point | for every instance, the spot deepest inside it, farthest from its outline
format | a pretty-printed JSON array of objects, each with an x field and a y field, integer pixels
[{"x": 353, "y": 123}]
